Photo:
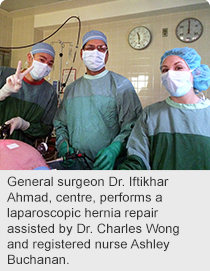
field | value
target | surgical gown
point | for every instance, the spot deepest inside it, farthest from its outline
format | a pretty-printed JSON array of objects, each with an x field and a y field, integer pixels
[
  {"x": 171, "y": 136},
  {"x": 34, "y": 102},
  {"x": 96, "y": 111}
]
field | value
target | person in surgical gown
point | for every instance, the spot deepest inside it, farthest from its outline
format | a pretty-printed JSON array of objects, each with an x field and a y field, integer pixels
[
  {"x": 98, "y": 111},
  {"x": 27, "y": 101},
  {"x": 174, "y": 134}
]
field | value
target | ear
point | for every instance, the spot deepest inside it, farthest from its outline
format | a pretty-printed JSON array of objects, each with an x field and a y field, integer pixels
[
  {"x": 106, "y": 57},
  {"x": 81, "y": 54},
  {"x": 29, "y": 59}
]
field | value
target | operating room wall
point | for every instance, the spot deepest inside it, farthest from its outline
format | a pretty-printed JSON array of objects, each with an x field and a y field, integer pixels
[
  {"x": 5, "y": 38},
  {"x": 5, "y": 30},
  {"x": 140, "y": 66},
  {"x": 23, "y": 34}
]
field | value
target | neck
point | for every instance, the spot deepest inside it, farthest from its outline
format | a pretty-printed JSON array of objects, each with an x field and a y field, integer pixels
[
  {"x": 29, "y": 77},
  {"x": 89, "y": 72},
  {"x": 188, "y": 98}
]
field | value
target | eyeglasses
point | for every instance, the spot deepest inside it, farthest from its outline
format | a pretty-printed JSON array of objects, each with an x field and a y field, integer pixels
[{"x": 100, "y": 48}]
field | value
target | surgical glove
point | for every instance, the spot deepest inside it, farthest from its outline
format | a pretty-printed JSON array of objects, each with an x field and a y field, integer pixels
[
  {"x": 17, "y": 123},
  {"x": 105, "y": 159},
  {"x": 65, "y": 148},
  {"x": 13, "y": 82},
  {"x": 133, "y": 162}
]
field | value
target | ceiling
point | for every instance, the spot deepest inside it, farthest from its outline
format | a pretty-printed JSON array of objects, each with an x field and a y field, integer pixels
[
  {"x": 40, "y": 6},
  {"x": 19, "y": 8},
  {"x": 11, "y": 5}
]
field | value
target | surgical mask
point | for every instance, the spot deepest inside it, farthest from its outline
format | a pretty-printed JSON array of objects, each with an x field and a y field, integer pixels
[
  {"x": 94, "y": 60},
  {"x": 40, "y": 70},
  {"x": 177, "y": 83}
]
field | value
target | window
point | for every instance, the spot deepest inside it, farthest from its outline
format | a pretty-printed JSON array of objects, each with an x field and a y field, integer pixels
[
  {"x": 140, "y": 82},
  {"x": 5, "y": 57}
]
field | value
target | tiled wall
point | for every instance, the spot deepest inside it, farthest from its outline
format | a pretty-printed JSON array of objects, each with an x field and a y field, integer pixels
[{"x": 141, "y": 67}]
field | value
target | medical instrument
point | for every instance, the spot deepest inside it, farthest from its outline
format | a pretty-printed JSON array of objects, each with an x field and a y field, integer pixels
[
  {"x": 61, "y": 86},
  {"x": 4, "y": 130},
  {"x": 42, "y": 148},
  {"x": 29, "y": 45},
  {"x": 72, "y": 156}
]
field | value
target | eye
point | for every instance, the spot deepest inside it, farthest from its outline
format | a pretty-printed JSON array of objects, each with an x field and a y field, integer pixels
[
  {"x": 41, "y": 60},
  {"x": 178, "y": 68},
  {"x": 89, "y": 48},
  {"x": 164, "y": 70},
  {"x": 102, "y": 48},
  {"x": 50, "y": 65}
]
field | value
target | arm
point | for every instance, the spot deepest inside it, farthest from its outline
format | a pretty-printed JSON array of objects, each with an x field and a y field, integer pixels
[
  {"x": 38, "y": 118},
  {"x": 62, "y": 138},
  {"x": 138, "y": 146},
  {"x": 60, "y": 124},
  {"x": 129, "y": 109},
  {"x": 41, "y": 123}
]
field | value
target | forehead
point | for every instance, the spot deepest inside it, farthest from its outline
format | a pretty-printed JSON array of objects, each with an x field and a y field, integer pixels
[
  {"x": 173, "y": 59},
  {"x": 95, "y": 42}
]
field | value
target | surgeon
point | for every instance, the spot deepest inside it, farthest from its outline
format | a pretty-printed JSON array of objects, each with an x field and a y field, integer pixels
[
  {"x": 98, "y": 111},
  {"x": 28, "y": 102},
  {"x": 174, "y": 134}
]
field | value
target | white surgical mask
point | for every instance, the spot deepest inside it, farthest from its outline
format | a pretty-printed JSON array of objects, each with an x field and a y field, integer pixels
[
  {"x": 94, "y": 60},
  {"x": 177, "y": 83},
  {"x": 40, "y": 70}
]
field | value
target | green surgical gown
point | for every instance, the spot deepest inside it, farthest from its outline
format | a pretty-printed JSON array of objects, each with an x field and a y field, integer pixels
[{"x": 96, "y": 111}]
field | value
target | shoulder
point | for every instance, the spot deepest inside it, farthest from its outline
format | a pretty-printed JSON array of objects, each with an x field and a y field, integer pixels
[
  {"x": 49, "y": 86},
  {"x": 48, "y": 90},
  {"x": 118, "y": 76},
  {"x": 74, "y": 84},
  {"x": 77, "y": 81},
  {"x": 6, "y": 71},
  {"x": 155, "y": 108},
  {"x": 121, "y": 83}
]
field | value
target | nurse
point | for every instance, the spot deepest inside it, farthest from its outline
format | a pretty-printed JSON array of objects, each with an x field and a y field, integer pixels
[{"x": 175, "y": 133}]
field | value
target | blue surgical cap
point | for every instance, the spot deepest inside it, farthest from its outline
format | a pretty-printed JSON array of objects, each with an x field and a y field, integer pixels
[
  {"x": 43, "y": 47},
  {"x": 201, "y": 72},
  {"x": 93, "y": 35}
]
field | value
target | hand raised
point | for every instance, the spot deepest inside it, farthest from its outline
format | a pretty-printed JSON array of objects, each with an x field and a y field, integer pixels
[{"x": 14, "y": 82}]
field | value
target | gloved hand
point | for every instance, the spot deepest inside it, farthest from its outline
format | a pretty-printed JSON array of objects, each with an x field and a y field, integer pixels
[
  {"x": 132, "y": 162},
  {"x": 17, "y": 123},
  {"x": 64, "y": 148},
  {"x": 13, "y": 82},
  {"x": 106, "y": 157}
]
